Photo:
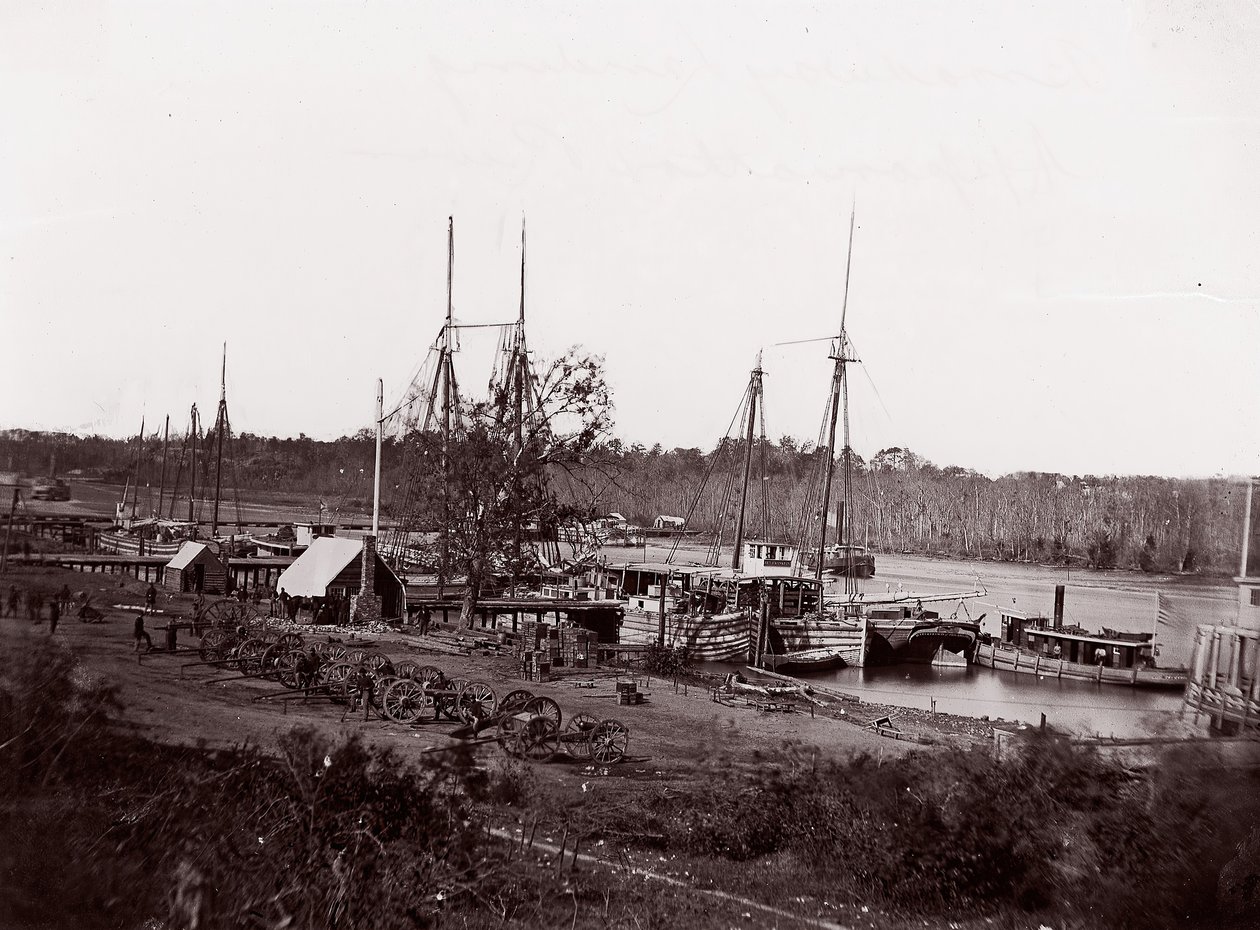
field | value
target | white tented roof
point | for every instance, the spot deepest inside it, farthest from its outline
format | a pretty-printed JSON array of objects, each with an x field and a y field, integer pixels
[
  {"x": 185, "y": 556},
  {"x": 312, "y": 571}
]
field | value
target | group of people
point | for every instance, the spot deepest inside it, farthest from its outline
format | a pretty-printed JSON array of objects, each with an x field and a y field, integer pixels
[{"x": 39, "y": 604}]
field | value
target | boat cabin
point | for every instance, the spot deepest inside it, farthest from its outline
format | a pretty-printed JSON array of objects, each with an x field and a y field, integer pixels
[
  {"x": 761, "y": 557},
  {"x": 1110, "y": 648},
  {"x": 704, "y": 589},
  {"x": 306, "y": 533}
]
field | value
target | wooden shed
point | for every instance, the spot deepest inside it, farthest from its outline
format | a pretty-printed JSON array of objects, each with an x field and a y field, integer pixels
[{"x": 195, "y": 567}]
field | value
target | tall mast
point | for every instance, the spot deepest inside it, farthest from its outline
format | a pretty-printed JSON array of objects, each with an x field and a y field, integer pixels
[
  {"x": 839, "y": 396},
  {"x": 518, "y": 413},
  {"x": 166, "y": 442},
  {"x": 754, "y": 393},
  {"x": 446, "y": 367},
  {"x": 219, "y": 427},
  {"x": 192, "y": 472},
  {"x": 376, "y": 474},
  {"x": 135, "y": 484}
]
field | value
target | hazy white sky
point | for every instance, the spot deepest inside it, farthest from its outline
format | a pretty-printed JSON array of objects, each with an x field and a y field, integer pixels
[{"x": 1055, "y": 266}]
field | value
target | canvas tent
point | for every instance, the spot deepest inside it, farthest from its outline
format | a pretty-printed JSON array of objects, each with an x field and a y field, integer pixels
[{"x": 335, "y": 567}]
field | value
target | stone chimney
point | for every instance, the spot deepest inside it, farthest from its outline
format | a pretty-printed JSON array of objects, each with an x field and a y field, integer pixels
[{"x": 365, "y": 607}]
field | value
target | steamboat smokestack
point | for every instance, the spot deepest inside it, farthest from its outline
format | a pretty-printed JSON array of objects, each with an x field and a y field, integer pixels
[{"x": 1058, "y": 606}]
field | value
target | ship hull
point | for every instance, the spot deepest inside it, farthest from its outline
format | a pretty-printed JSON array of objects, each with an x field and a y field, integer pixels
[{"x": 1009, "y": 659}]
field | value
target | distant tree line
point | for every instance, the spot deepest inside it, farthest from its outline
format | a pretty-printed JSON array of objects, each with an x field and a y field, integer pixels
[{"x": 898, "y": 502}]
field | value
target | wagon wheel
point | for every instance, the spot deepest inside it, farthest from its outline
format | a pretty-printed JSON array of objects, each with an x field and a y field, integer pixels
[
  {"x": 380, "y": 665},
  {"x": 356, "y": 656},
  {"x": 448, "y": 704},
  {"x": 338, "y": 678},
  {"x": 514, "y": 701},
  {"x": 577, "y": 735},
  {"x": 215, "y": 645},
  {"x": 229, "y": 614},
  {"x": 539, "y": 738},
  {"x": 285, "y": 669},
  {"x": 249, "y": 656},
  {"x": 476, "y": 702},
  {"x": 406, "y": 669},
  {"x": 610, "y": 741},
  {"x": 430, "y": 676},
  {"x": 508, "y": 733},
  {"x": 380, "y": 686},
  {"x": 289, "y": 641},
  {"x": 406, "y": 701},
  {"x": 333, "y": 652},
  {"x": 271, "y": 659},
  {"x": 545, "y": 707}
]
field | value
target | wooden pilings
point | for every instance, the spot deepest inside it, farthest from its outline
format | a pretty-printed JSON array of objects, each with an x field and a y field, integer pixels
[{"x": 1224, "y": 683}]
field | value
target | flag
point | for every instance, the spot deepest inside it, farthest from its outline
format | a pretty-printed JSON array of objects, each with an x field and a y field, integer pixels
[{"x": 1167, "y": 614}]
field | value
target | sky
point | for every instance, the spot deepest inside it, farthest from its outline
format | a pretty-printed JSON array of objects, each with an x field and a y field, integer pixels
[{"x": 1056, "y": 262}]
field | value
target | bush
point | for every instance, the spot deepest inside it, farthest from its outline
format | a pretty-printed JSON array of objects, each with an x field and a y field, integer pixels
[{"x": 666, "y": 660}]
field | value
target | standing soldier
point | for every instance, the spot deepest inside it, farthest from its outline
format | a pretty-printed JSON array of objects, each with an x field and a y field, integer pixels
[
  {"x": 11, "y": 603},
  {"x": 364, "y": 687},
  {"x": 141, "y": 633},
  {"x": 65, "y": 598},
  {"x": 54, "y": 615},
  {"x": 150, "y": 599}
]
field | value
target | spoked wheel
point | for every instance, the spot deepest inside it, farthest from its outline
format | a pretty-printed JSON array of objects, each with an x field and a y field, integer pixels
[
  {"x": 509, "y": 731},
  {"x": 514, "y": 701},
  {"x": 406, "y": 701},
  {"x": 333, "y": 652},
  {"x": 289, "y": 641},
  {"x": 379, "y": 665},
  {"x": 215, "y": 645},
  {"x": 539, "y": 738},
  {"x": 545, "y": 707},
  {"x": 610, "y": 741},
  {"x": 355, "y": 656},
  {"x": 448, "y": 703},
  {"x": 406, "y": 669},
  {"x": 476, "y": 702},
  {"x": 271, "y": 659},
  {"x": 339, "y": 679},
  {"x": 230, "y": 613},
  {"x": 285, "y": 669},
  {"x": 381, "y": 685},
  {"x": 577, "y": 735},
  {"x": 249, "y": 656},
  {"x": 430, "y": 676}
]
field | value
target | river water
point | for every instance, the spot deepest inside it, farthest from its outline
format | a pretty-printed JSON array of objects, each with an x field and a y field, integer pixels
[{"x": 1119, "y": 600}]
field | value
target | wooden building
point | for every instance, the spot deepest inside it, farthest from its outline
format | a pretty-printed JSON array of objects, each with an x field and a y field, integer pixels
[{"x": 195, "y": 567}]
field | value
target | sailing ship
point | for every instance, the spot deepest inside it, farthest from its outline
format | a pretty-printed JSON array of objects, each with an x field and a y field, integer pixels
[
  {"x": 896, "y": 627},
  {"x": 1046, "y": 647}
]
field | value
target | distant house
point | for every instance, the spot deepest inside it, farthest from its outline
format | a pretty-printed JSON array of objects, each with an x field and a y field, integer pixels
[
  {"x": 669, "y": 523},
  {"x": 336, "y": 567},
  {"x": 195, "y": 568}
]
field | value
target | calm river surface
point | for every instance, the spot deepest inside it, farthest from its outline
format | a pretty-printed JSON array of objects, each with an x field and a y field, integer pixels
[{"x": 1120, "y": 600}]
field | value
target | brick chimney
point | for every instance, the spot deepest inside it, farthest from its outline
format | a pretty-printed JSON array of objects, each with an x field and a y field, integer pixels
[{"x": 365, "y": 607}]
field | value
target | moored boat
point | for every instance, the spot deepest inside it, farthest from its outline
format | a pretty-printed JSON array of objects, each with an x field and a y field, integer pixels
[
  {"x": 825, "y": 659},
  {"x": 1043, "y": 646}
]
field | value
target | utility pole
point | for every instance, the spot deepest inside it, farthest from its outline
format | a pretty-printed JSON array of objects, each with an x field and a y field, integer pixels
[{"x": 376, "y": 478}]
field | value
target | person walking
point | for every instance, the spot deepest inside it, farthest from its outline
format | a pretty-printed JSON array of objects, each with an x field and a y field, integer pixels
[
  {"x": 150, "y": 599},
  {"x": 141, "y": 633},
  {"x": 11, "y": 602},
  {"x": 65, "y": 598},
  {"x": 54, "y": 615}
]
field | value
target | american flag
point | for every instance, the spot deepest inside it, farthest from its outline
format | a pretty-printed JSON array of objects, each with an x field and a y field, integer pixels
[{"x": 1167, "y": 614}]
